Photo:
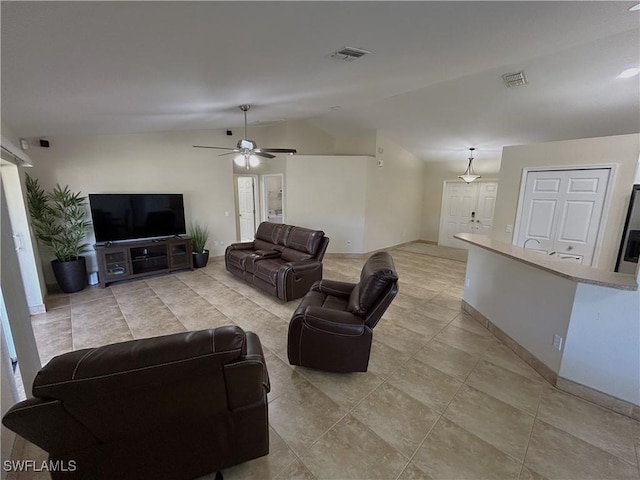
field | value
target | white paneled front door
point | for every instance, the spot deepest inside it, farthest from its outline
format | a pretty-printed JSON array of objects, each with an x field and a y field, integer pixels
[
  {"x": 466, "y": 208},
  {"x": 561, "y": 212}
]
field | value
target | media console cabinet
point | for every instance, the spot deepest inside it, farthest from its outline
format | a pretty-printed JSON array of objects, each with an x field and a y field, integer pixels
[{"x": 127, "y": 260}]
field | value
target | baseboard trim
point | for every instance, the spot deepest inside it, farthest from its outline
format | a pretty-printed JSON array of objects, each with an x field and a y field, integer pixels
[
  {"x": 530, "y": 359},
  {"x": 586, "y": 393},
  {"x": 385, "y": 249},
  {"x": 37, "y": 309}
]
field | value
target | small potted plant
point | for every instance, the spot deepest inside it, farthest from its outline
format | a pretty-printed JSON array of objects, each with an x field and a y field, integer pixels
[
  {"x": 59, "y": 222},
  {"x": 199, "y": 236}
]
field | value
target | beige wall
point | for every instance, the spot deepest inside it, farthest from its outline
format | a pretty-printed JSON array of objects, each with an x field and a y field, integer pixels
[
  {"x": 435, "y": 174},
  {"x": 622, "y": 150},
  {"x": 329, "y": 193},
  {"x": 394, "y": 196},
  {"x": 148, "y": 163}
]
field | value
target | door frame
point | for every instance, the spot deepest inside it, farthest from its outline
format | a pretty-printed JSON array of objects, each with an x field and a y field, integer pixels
[
  {"x": 442, "y": 201},
  {"x": 256, "y": 207},
  {"x": 265, "y": 204},
  {"x": 613, "y": 170}
]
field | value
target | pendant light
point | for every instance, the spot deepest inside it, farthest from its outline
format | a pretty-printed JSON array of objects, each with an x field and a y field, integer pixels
[{"x": 469, "y": 175}]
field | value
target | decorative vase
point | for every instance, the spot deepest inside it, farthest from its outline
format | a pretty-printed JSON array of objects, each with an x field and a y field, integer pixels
[
  {"x": 200, "y": 259},
  {"x": 72, "y": 275}
]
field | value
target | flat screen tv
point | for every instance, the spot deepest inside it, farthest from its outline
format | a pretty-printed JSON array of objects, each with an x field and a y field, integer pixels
[{"x": 128, "y": 216}]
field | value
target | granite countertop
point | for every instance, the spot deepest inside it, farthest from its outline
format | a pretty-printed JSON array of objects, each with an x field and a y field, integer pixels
[{"x": 563, "y": 268}]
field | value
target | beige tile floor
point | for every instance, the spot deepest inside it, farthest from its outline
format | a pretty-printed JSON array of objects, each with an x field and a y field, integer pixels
[{"x": 443, "y": 398}]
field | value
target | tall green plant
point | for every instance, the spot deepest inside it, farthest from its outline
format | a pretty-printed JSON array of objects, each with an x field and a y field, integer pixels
[
  {"x": 199, "y": 236},
  {"x": 58, "y": 219}
]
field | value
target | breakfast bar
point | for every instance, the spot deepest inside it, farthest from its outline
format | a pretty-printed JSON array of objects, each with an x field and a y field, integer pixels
[{"x": 579, "y": 327}]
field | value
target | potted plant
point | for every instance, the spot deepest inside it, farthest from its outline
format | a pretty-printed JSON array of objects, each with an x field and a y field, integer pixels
[
  {"x": 59, "y": 221},
  {"x": 199, "y": 236}
]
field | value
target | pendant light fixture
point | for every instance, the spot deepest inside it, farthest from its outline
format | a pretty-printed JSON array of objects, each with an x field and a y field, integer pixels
[{"x": 469, "y": 175}]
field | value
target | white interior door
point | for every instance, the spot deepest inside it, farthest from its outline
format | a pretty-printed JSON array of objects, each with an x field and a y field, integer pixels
[
  {"x": 466, "y": 208},
  {"x": 246, "y": 208},
  {"x": 561, "y": 212}
]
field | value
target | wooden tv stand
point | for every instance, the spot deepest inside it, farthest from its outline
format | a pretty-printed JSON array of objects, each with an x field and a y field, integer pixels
[{"x": 127, "y": 260}]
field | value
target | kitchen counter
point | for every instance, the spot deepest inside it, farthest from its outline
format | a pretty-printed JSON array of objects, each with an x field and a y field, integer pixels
[
  {"x": 577, "y": 326},
  {"x": 563, "y": 268}
]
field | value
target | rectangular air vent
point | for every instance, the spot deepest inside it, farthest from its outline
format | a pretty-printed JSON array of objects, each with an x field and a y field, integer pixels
[
  {"x": 349, "y": 53},
  {"x": 514, "y": 79}
]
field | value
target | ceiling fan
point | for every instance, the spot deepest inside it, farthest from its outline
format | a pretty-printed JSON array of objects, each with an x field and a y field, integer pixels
[{"x": 247, "y": 150}]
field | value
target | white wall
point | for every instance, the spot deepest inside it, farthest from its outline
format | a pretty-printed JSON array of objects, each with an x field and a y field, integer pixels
[
  {"x": 329, "y": 193},
  {"x": 525, "y": 302},
  {"x": 602, "y": 350},
  {"x": 622, "y": 150},
  {"x": 394, "y": 196}
]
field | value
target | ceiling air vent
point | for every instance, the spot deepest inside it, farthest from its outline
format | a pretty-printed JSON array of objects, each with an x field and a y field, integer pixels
[
  {"x": 514, "y": 79},
  {"x": 349, "y": 54}
]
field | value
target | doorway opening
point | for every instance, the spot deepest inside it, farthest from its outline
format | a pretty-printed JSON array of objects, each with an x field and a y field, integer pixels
[
  {"x": 272, "y": 197},
  {"x": 247, "y": 206}
]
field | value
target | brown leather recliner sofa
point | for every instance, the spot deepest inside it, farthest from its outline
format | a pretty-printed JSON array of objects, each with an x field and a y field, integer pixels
[
  {"x": 332, "y": 328},
  {"x": 283, "y": 260},
  {"x": 166, "y": 408}
]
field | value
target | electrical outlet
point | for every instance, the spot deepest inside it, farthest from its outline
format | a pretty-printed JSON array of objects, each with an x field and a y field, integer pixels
[
  {"x": 467, "y": 282},
  {"x": 557, "y": 342},
  {"x": 508, "y": 228}
]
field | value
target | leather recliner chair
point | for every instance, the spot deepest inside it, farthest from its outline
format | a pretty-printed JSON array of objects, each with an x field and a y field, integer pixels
[
  {"x": 332, "y": 328},
  {"x": 172, "y": 407}
]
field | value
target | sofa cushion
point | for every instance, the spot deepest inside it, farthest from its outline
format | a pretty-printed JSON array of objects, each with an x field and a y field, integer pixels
[
  {"x": 268, "y": 232},
  {"x": 267, "y": 270},
  {"x": 378, "y": 274},
  {"x": 304, "y": 239},
  {"x": 291, "y": 255},
  {"x": 262, "y": 245}
]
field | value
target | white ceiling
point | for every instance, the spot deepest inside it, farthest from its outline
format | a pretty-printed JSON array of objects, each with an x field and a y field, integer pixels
[{"x": 432, "y": 82}]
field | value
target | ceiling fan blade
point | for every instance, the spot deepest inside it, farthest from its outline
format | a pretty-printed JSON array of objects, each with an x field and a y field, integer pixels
[
  {"x": 229, "y": 153},
  {"x": 263, "y": 154},
  {"x": 278, "y": 150},
  {"x": 217, "y": 148}
]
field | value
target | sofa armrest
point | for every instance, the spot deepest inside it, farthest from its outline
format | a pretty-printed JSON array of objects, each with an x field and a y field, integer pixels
[
  {"x": 45, "y": 423},
  {"x": 333, "y": 321},
  {"x": 302, "y": 266},
  {"x": 335, "y": 288},
  {"x": 247, "y": 380},
  {"x": 241, "y": 246}
]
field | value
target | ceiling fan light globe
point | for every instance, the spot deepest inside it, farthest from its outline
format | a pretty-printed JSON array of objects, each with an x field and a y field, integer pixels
[
  {"x": 239, "y": 160},
  {"x": 254, "y": 161}
]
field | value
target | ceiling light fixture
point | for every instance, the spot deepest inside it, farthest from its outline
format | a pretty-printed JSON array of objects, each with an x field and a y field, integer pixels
[
  {"x": 629, "y": 72},
  {"x": 247, "y": 160},
  {"x": 469, "y": 175}
]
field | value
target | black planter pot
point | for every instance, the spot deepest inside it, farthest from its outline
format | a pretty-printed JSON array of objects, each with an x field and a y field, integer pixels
[
  {"x": 72, "y": 275},
  {"x": 200, "y": 259}
]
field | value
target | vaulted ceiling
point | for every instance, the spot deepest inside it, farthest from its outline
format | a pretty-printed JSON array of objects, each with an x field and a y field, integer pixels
[{"x": 432, "y": 80}]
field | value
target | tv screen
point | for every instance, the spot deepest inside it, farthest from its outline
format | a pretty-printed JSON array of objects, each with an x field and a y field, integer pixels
[{"x": 127, "y": 216}]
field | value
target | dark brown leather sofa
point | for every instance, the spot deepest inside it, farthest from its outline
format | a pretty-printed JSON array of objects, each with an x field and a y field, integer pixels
[
  {"x": 283, "y": 260},
  {"x": 173, "y": 407},
  {"x": 332, "y": 328}
]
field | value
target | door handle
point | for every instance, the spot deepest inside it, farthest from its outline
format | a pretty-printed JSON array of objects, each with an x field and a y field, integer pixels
[{"x": 569, "y": 248}]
